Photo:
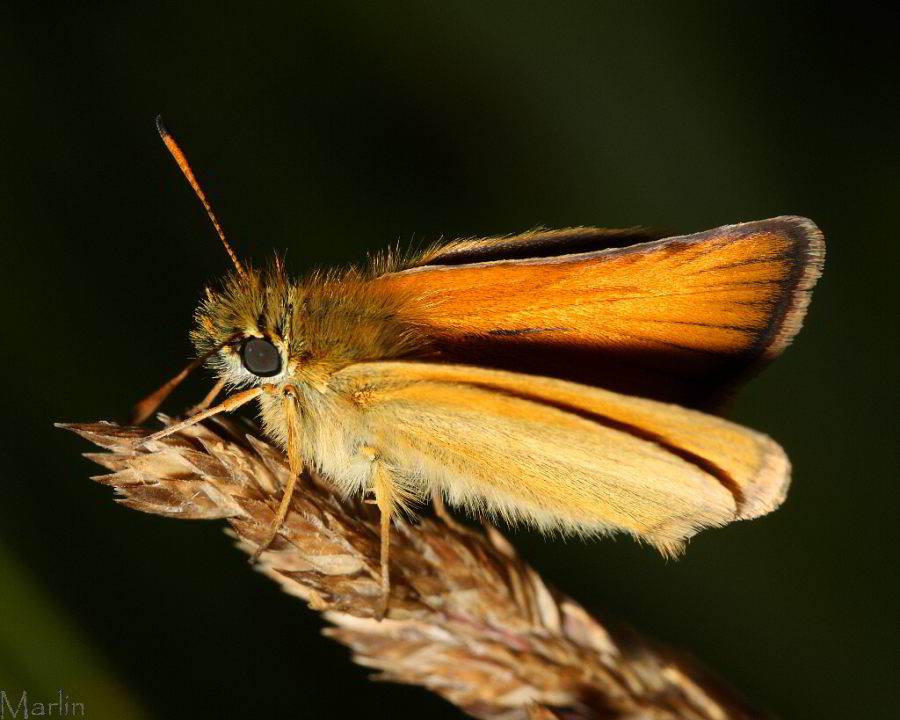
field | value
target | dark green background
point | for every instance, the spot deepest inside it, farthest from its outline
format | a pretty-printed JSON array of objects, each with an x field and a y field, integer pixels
[{"x": 330, "y": 130}]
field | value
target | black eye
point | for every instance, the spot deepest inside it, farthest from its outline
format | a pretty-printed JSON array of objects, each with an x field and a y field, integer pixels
[{"x": 261, "y": 357}]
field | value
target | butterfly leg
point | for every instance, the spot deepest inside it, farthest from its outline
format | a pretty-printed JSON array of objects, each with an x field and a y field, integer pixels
[
  {"x": 295, "y": 461},
  {"x": 208, "y": 400},
  {"x": 386, "y": 499},
  {"x": 280, "y": 515},
  {"x": 440, "y": 509}
]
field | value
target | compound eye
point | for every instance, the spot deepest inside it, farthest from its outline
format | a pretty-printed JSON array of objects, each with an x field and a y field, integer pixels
[{"x": 261, "y": 357}]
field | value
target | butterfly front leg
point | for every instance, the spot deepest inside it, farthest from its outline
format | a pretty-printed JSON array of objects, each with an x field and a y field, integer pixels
[{"x": 207, "y": 401}]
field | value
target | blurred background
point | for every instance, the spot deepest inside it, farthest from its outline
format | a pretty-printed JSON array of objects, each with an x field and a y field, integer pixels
[{"x": 328, "y": 130}]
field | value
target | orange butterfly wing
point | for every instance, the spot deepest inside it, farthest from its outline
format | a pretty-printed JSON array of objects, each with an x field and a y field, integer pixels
[
  {"x": 561, "y": 455},
  {"x": 677, "y": 319}
]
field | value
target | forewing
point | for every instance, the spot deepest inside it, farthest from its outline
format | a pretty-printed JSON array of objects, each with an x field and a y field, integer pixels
[
  {"x": 675, "y": 319},
  {"x": 561, "y": 455}
]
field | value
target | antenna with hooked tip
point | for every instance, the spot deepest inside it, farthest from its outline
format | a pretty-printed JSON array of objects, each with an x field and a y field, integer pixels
[{"x": 176, "y": 152}]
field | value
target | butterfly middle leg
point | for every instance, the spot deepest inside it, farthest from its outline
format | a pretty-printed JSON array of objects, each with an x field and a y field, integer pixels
[
  {"x": 387, "y": 498},
  {"x": 295, "y": 462}
]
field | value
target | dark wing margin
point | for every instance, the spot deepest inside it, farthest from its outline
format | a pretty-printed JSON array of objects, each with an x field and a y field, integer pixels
[{"x": 807, "y": 253}]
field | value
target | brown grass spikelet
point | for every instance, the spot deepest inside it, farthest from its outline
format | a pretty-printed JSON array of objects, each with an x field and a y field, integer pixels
[{"x": 467, "y": 619}]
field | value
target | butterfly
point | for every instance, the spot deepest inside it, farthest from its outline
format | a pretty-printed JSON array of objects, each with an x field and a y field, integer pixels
[{"x": 557, "y": 378}]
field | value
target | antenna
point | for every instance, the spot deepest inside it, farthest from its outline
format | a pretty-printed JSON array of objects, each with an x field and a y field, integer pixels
[{"x": 176, "y": 152}]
